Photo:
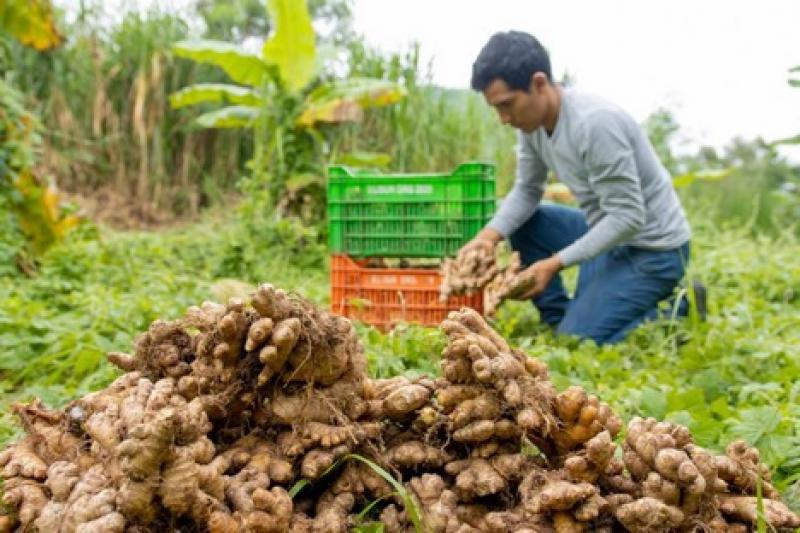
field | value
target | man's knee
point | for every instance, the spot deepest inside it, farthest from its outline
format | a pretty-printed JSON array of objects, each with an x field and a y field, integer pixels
[
  {"x": 602, "y": 324},
  {"x": 584, "y": 330},
  {"x": 549, "y": 223}
]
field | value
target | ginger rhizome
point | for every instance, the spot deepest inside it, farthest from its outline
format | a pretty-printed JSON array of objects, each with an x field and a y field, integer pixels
[
  {"x": 479, "y": 270},
  {"x": 221, "y": 413},
  {"x": 468, "y": 273}
]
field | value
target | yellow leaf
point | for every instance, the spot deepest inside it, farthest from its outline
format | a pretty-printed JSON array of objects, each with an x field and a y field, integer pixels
[
  {"x": 50, "y": 203},
  {"x": 66, "y": 224},
  {"x": 31, "y": 22},
  {"x": 39, "y": 213},
  {"x": 344, "y": 100},
  {"x": 334, "y": 111}
]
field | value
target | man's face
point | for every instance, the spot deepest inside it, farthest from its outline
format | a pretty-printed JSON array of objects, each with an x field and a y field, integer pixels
[{"x": 523, "y": 110}]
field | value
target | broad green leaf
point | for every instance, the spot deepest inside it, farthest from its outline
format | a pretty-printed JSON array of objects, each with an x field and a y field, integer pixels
[
  {"x": 31, "y": 22},
  {"x": 683, "y": 418},
  {"x": 343, "y": 101},
  {"x": 794, "y": 83},
  {"x": 720, "y": 408},
  {"x": 215, "y": 92},
  {"x": 688, "y": 399},
  {"x": 653, "y": 402},
  {"x": 683, "y": 181},
  {"x": 237, "y": 116},
  {"x": 299, "y": 181},
  {"x": 707, "y": 175},
  {"x": 704, "y": 428},
  {"x": 780, "y": 449},
  {"x": 291, "y": 46},
  {"x": 364, "y": 159},
  {"x": 754, "y": 423},
  {"x": 241, "y": 66}
]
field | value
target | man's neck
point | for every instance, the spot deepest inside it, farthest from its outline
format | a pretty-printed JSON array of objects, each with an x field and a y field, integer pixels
[{"x": 554, "y": 105}]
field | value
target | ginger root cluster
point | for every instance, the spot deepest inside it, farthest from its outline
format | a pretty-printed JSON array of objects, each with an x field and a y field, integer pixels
[{"x": 259, "y": 416}]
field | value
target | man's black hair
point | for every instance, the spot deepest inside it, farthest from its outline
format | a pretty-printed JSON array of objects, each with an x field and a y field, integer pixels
[{"x": 513, "y": 57}]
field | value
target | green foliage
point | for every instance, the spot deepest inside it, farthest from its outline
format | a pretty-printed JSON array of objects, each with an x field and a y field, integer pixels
[
  {"x": 234, "y": 20},
  {"x": 406, "y": 350},
  {"x": 240, "y": 66},
  {"x": 747, "y": 185},
  {"x": 760, "y": 190},
  {"x": 214, "y": 92},
  {"x": 108, "y": 126},
  {"x": 291, "y": 48},
  {"x": 733, "y": 376},
  {"x": 31, "y": 217},
  {"x": 661, "y": 127},
  {"x": 99, "y": 289},
  {"x": 18, "y": 140},
  {"x": 279, "y": 104}
]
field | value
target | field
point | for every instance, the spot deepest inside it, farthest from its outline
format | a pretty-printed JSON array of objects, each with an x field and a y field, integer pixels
[
  {"x": 733, "y": 376},
  {"x": 144, "y": 171}
]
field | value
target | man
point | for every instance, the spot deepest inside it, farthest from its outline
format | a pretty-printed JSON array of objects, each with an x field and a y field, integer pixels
[{"x": 630, "y": 237}]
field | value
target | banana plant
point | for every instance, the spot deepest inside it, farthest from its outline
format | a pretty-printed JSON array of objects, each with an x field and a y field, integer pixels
[{"x": 280, "y": 96}]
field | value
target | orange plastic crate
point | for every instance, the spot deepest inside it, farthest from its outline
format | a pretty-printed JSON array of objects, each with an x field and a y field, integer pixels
[{"x": 382, "y": 297}]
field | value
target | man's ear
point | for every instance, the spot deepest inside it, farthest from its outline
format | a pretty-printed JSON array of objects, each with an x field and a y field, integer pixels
[{"x": 538, "y": 81}]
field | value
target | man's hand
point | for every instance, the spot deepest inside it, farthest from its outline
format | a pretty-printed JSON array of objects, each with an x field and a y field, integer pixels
[
  {"x": 486, "y": 240},
  {"x": 536, "y": 278}
]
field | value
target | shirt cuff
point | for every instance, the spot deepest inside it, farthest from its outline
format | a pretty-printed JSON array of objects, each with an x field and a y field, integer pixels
[
  {"x": 502, "y": 225},
  {"x": 570, "y": 256}
]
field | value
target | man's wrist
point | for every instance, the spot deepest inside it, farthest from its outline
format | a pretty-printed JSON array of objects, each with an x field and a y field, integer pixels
[
  {"x": 555, "y": 263},
  {"x": 489, "y": 234}
]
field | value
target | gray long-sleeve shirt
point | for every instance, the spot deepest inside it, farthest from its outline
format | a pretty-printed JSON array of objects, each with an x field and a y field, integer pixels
[{"x": 603, "y": 156}]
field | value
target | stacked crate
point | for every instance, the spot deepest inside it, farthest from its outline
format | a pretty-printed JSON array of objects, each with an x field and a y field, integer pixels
[{"x": 376, "y": 219}]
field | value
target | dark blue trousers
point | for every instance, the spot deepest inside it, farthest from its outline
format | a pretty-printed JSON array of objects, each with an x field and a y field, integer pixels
[{"x": 616, "y": 291}]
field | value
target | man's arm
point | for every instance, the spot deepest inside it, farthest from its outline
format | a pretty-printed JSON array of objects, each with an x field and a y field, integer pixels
[
  {"x": 613, "y": 177},
  {"x": 521, "y": 201}
]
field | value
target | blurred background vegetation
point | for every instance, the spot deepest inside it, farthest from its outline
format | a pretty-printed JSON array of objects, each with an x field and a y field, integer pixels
[
  {"x": 153, "y": 212},
  {"x": 110, "y": 137}
]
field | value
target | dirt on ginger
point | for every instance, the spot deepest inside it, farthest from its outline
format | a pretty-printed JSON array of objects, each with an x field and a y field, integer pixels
[{"x": 221, "y": 413}]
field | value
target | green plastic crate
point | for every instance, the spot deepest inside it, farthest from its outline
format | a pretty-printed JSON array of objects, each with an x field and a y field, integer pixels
[{"x": 408, "y": 215}]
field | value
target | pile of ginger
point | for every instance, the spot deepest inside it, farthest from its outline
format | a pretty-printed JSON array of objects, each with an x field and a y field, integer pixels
[{"x": 258, "y": 416}]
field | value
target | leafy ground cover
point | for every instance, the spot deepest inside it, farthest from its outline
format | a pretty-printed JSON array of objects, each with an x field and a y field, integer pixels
[{"x": 736, "y": 375}]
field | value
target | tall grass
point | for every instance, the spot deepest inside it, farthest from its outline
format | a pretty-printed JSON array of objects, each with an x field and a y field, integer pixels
[
  {"x": 432, "y": 129},
  {"x": 103, "y": 100}
]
